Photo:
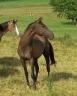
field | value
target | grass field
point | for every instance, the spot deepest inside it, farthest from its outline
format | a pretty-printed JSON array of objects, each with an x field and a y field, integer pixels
[{"x": 63, "y": 77}]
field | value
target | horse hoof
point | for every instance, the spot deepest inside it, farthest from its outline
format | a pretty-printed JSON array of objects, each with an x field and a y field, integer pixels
[
  {"x": 53, "y": 63},
  {"x": 34, "y": 87}
]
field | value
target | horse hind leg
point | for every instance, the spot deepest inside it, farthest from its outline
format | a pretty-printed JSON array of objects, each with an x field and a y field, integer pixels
[
  {"x": 51, "y": 54},
  {"x": 25, "y": 70},
  {"x": 48, "y": 65},
  {"x": 46, "y": 56}
]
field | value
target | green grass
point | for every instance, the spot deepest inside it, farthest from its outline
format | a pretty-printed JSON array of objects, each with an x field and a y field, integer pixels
[
  {"x": 22, "y": 3},
  {"x": 63, "y": 77}
]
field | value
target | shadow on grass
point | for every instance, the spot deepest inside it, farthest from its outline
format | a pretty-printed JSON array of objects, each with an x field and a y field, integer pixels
[
  {"x": 9, "y": 61},
  {"x": 5, "y": 72},
  {"x": 8, "y": 66},
  {"x": 61, "y": 76}
]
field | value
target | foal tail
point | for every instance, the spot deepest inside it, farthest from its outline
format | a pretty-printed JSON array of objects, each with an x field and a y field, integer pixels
[{"x": 51, "y": 54}]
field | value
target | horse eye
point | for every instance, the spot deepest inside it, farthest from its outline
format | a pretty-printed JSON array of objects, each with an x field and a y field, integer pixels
[{"x": 31, "y": 29}]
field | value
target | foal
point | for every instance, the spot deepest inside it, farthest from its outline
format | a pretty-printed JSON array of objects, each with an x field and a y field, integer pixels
[
  {"x": 32, "y": 49},
  {"x": 8, "y": 26}
]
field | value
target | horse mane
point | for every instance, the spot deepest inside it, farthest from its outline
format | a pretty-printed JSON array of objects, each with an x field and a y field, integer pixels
[
  {"x": 29, "y": 26},
  {"x": 33, "y": 23}
]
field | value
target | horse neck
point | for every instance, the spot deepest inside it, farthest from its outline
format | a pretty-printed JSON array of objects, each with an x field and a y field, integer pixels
[
  {"x": 4, "y": 27},
  {"x": 27, "y": 37}
]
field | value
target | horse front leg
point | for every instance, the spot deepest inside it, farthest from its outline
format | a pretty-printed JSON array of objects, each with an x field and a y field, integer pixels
[
  {"x": 33, "y": 75},
  {"x": 36, "y": 68},
  {"x": 25, "y": 69}
]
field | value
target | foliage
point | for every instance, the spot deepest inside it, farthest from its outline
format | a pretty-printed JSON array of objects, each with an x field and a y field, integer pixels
[{"x": 68, "y": 8}]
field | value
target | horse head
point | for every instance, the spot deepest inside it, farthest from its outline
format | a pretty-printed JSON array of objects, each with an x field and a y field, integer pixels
[{"x": 42, "y": 29}]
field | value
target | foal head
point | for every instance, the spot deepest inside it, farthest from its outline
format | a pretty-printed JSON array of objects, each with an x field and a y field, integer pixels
[
  {"x": 41, "y": 29},
  {"x": 12, "y": 26}
]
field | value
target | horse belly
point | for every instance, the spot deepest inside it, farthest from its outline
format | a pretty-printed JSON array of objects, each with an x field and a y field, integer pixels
[{"x": 37, "y": 48}]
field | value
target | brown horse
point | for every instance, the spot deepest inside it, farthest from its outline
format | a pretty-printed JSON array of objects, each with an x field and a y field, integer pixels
[
  {"x": 30, "y": 48},
  {"x": 8, "y": 26}
]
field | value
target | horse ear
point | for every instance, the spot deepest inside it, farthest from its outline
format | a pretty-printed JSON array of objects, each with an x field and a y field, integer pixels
[
  {"x": 14, "y": 21},
  {"x": 40, "y": 19}
]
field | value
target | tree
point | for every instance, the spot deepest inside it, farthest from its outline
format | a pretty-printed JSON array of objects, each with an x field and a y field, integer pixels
[{"x": 67, "y": 8}]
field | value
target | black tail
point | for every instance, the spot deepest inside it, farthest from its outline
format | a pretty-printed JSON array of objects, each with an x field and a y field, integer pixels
[{"x": 51, "y": 54}]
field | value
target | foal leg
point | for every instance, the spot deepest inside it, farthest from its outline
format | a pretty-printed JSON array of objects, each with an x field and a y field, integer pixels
[
  {"x": 25, "y": 69},
  {"x": 47, "y": 62}
]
